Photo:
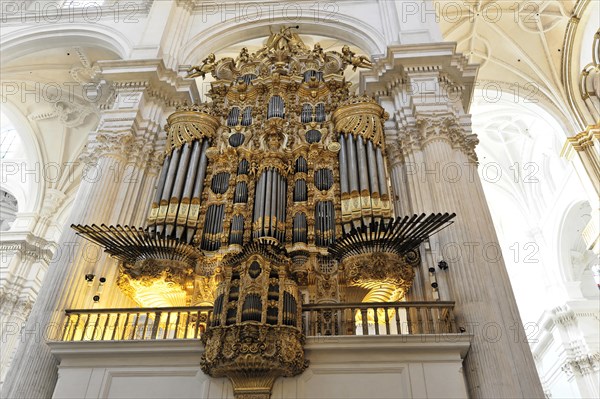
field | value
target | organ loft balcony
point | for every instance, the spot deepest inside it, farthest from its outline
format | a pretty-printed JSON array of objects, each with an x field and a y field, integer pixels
[{"x": 272, "y": 245}]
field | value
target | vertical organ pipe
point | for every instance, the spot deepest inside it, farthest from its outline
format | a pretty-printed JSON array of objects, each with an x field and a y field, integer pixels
[
  {"x": 351, "y": 154},
  {"x": 267, "y": 211},
  {"x": 178, "y": 188},
  {"x": 158, "y": 194},
  {"x": 161, "y": 180},
  {"x": 187, "y": 190},
  {"x": 277, "y": 212},
  {"x": 363, "y": 169},
  {"x": 166, "y": 194},
  {"x": 373, "y": 168},
  {"x": 197, "y": 191},
  {"x": 343, "y": 166},
  {"x": 258, "y": 203},
  {"x": 274, "y": 194},
  {"x": 282, "y": 206},
  {"x": 278, "y": 207},
  {"x": 247, "y": 116},
  {"x": 381, "y": 173}
]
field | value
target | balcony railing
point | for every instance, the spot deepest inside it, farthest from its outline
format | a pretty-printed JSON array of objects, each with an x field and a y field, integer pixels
[
  {"x": 135, "y": 324},
  {"x": 384, "y": 318}
]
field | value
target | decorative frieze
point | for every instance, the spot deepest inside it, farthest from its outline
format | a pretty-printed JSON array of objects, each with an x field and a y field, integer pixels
[
  {"x": 582, "y": 365},
  {"x": 39, "y": 250}
]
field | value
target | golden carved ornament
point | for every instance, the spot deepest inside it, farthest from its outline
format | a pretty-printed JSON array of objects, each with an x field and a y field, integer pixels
[
  {"x": 242, "y": 93},
  {"x": 188, "y": 125},
  {"x": 313, "y": 90},
  {"x": 252, "y": 356},
  {"x": 380, "y": 267},
  {"x": 361, "y": 116}
]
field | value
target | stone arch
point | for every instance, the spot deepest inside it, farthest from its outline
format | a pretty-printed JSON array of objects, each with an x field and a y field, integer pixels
[
  {"x": 346, "y": 28},
  {"x": 576, "y": 54},
  {"x": 574, "y": 258},
  {"x": 43, "y": 37},
  {"x": 9, "y": 206},
  {"x": 29, "y": 192}
]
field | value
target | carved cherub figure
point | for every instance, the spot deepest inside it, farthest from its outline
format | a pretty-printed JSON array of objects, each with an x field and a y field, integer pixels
[
  {"x": 318, "y": 52},
  {"x": 243, "y": 58},
  {"x": 289, "y": 169},
  {"x": 208, "y": 65},
  {"x": 357, "y": 61},
  {"x": 253, "y": 169}
]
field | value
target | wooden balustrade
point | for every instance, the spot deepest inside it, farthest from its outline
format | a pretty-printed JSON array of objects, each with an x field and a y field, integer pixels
[
  {"x": 135, "y": 324},
  {"x": 382, "y": 318}
]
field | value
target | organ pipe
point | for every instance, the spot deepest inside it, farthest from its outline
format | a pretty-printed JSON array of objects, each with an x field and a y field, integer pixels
[
  {"x": 373, "y": 171},
  {"x": 363, "y": 169},
  {"x": 381, "y": 173},
  {"x": 352, "y": 165},
  {"x": 166, "y": 194},
  {"x": 158, "y": 194},
  {"x": 344, "y": 184},
  {"x": 194, "y": 212},
  {"x": 177, "y": 188},
  {"x": 190, "y": 178}
]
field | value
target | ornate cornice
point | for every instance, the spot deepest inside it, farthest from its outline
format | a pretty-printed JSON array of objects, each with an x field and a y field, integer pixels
[
  {"x": 436, "y": 59},
  {"x": 582, "y": 365},
  {"x": 15, "y": 304},
  {"x": 563, "y": 316},
  {"x": 583, "y": 140},
  {"x": 37, "y": 249}
]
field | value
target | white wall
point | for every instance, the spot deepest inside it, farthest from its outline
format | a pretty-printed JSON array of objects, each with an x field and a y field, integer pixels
[{"x": 340, "y": 367}]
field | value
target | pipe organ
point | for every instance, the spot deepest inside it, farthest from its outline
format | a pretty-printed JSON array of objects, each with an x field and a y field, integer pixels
[{"x": 276, "y": 192}]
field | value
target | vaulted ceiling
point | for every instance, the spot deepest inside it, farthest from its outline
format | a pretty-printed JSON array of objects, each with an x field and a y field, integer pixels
[{"x": 521, "y": 48}]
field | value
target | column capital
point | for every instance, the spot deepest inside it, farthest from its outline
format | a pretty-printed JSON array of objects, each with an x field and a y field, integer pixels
[
  {"x": 425, "y": 129},
  {"x": 136, "y": 96},
  {"x": 30, "y": 248},
  {"x": 107, "y": 144}
]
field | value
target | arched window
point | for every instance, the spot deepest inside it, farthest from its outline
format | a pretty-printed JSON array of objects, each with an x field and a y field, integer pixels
[{"x": 8, "y": 210}]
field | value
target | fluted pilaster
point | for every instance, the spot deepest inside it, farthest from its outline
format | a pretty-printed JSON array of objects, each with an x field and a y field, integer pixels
[
  {"x": 434, "y": 169},
  {"x": 115, "y": 184}
]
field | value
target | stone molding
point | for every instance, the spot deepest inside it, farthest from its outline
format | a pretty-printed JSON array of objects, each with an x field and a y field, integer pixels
[{"x": 428, "y": 129}]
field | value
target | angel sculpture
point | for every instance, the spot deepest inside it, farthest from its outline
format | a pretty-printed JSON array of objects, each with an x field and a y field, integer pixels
[
  {"x": 357, "y": 61},
  {"x": 318, "y": 52},
  {"x": 285, "y": 40},
  {"x": 208, "y": 65},
  {"x": 243, "y": 58}
]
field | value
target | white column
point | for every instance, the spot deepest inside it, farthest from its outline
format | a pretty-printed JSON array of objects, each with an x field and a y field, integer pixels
[
  {"x": 117, "y": 178},
  {"x": 433, "y": 161}
]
